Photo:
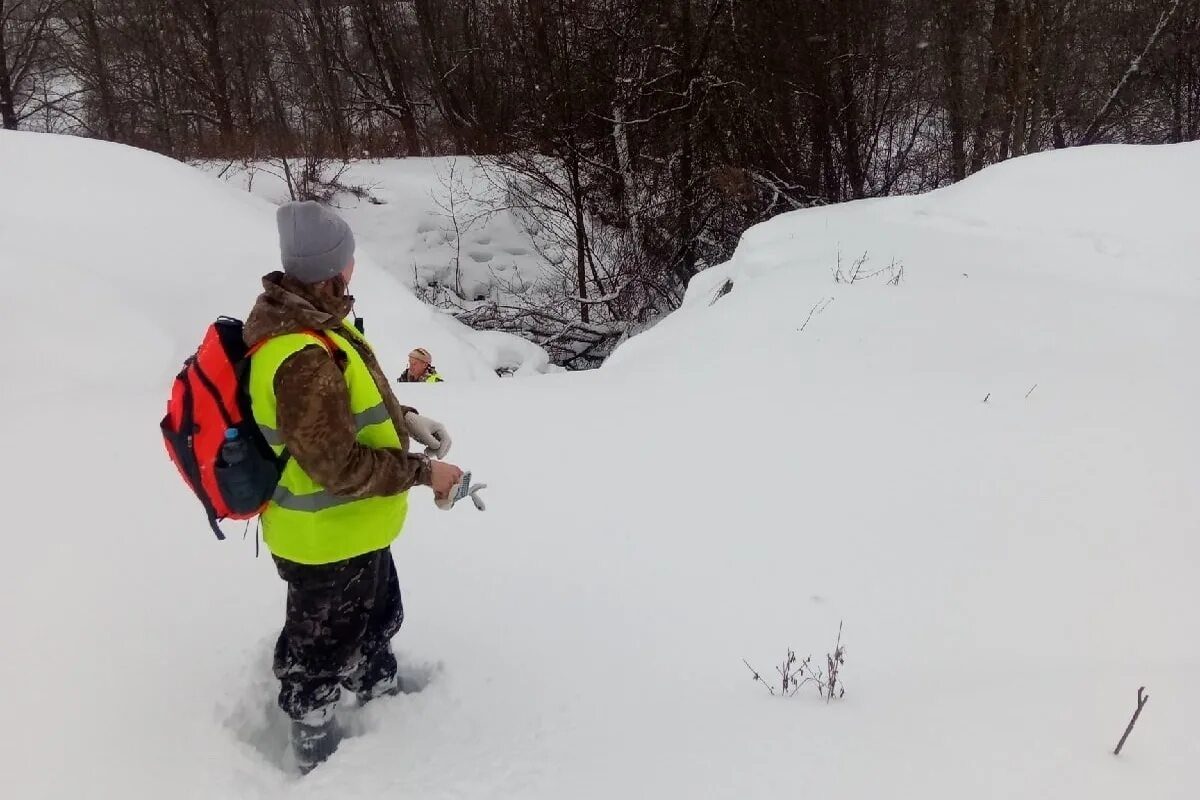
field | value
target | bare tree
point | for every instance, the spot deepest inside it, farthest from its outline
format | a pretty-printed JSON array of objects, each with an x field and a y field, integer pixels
[
  {"x": 642, "y": 138},
  {"x": 1092, "y": 133},
  {"x": 25, "y": 30}
]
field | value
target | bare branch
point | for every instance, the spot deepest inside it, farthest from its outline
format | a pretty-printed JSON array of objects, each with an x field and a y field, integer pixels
[{"x": 1142, "y": 699}]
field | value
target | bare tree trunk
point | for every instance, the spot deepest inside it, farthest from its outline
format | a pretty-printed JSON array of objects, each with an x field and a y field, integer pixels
[
  {"x": 999, "y": 37},
  {"x": 1037, "y": 85},
  {"x": 99, "y": 65},
  {"x": 1095, "y": 128},
  {"x": 385, "y": 53},
  {"x": 447, "y": 100},
  {"x": 1021, "y": 91},
  {"x": 216, "y": 59},
  {"x": 24, "y": 33},
  {"x": 687, "y": 202},
  {"x": 1177, "y": 100},
  {"x": 8, "y": 110},
  {"x": 581, "y": 243},
  {"x": 1012, "y": 133},
  {"x": 325, "y": 31},
  {"x": 955, "y": 25},
  {"x": 629, "y": 199},
  {"x": 822, "y": 115},
  {"x": 848, "y": 102},
  {"x": 685, "y": 234}
]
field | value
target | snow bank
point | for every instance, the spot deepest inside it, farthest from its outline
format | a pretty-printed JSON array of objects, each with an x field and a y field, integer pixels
[
  {"x": 737, "y": 481},
  {"x": 428, "y": 222},
  {"x": 1066, "y": 261},
  {"x": 158, "y": 250}
]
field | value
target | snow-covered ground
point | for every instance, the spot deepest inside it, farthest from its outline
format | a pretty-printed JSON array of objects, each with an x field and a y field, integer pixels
[
  {"x": 427, "y": 221},
  {"x": 738, "y": 480}
]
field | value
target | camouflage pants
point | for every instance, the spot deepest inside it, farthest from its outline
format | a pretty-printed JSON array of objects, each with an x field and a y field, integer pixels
[{"x": 341, "y": 618}]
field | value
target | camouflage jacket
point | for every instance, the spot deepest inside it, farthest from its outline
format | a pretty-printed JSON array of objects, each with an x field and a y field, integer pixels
[{"x": 313, "y": 403}]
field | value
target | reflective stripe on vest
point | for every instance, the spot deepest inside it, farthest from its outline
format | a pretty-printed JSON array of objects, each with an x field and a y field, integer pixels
[
  {"x": 317, "y": 501},
  {"x": 372, "y": 416}
]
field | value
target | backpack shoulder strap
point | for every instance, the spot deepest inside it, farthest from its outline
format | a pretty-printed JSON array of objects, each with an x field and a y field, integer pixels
[
  {"x": 321, "y": 336},
  {"x": 325, "y": 339},
  {"x": 340, "y": 359}
]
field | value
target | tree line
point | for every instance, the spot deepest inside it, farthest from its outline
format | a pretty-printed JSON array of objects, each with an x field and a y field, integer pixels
[{"x": 649, "y": 135}]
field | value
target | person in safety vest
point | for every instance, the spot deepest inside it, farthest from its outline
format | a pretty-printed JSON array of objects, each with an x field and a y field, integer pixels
[
  {"x": 420, "y": 368},
  {"x": 324, "y": 404}
]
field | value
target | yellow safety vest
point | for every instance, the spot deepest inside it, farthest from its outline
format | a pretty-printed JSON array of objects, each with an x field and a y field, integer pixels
[{"x": 303, "y": 522}]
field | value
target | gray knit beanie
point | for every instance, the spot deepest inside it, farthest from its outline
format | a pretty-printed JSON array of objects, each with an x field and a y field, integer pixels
[{"x": 314, "y": 243}]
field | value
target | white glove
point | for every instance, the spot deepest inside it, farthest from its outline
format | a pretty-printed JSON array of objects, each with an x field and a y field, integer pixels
[{"x": 430, "y": 433}]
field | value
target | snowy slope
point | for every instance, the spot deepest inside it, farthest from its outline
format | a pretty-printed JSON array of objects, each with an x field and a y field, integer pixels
[
  {"x": 226, "y": 248},
  {"x": 426, "y": 221},
  {"x": 1009, "y": 572}
]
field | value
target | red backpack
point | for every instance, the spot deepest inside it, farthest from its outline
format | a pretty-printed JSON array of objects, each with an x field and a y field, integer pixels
[{"x": 210, "y": 432}]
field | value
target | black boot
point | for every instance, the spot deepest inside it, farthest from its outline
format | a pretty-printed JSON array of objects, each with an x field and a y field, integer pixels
[{"x": 315, "y": 743}]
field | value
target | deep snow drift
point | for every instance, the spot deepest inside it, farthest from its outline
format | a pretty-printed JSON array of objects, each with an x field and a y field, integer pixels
[{"x": 736, "y": 481}]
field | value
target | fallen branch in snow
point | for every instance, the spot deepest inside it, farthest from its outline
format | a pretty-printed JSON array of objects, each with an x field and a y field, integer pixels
[
  {"x": 895, "y": 270},
  {"x": 1143, "y": 698},
  {"x": 1031, "y": 388},
  {"x": 567, "y": 339},
  {"x": 819, "y": 307},
  {"x": 725, "y": 289},
  {"x": 608, "y": 298}
]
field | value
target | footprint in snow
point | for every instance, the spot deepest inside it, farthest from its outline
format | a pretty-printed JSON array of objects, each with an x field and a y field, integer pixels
[
  {"x": 358, "y": 720},
  {"x": 255, "y": 719}
]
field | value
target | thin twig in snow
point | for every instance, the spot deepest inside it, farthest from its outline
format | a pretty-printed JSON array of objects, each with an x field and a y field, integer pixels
[
  {"x": 758, "y": 677},
  {"x": 1142, "y": 699},
  {"x": 820, "y": 306}
]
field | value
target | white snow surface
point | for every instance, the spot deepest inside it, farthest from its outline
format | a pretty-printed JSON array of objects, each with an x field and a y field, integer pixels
[
  {"x": 427, "y": 221},
  {"x": 735, "y": 482}
]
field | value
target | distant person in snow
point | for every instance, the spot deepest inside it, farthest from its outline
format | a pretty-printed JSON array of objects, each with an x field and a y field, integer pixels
[
  {"x": 319, "y": 396},
  {"x": 420, "y": 368}
]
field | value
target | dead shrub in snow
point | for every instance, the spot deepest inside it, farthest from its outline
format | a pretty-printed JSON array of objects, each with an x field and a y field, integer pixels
[
  {"x": 314, "y": 177},
  {"x": 793, "y": 674},
  {"x": 859, "y": 271}
]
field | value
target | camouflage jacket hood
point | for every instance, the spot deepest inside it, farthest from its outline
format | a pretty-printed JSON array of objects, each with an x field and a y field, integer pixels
[
  {"x": 313, "y": 412},
  {"x": 288, "y": 306}
]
